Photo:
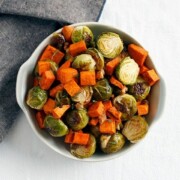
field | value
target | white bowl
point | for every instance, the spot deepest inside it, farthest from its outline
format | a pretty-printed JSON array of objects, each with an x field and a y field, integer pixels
[{"x": 24, "y": 83}]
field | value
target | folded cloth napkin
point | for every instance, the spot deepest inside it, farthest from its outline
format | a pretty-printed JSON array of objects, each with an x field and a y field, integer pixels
[{"x": 23, "y": 25}]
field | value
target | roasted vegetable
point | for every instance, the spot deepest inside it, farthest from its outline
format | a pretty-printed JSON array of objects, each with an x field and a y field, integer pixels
[
  {"x": 102, "y": 90},
  {"x": 84, "y": 62},
  {"x": 77, "y": 119},
  {"x": 140, "y": 89},
  {"x": 112, "y": 143},
  {"x": 84, "y": 96},
  {"x": 92, "y": 92},
  {"x": 62, "y": 98},
  {"x": 126, "y": 104},
  {"x": 110, "y": 44},
  {"x": 127, "y": 71},
  {"x": 135, "y": 129},
  {"x": 83, "y": 33},
  {"x": 77, "y": 48},
  {"x": 97, "y": 56},
  {"x": 58, "y": 40},
  {"x": 84, "y": 151},
  {"x": 55, "y": 127},
  {"x": 36, "y": 98},
  {"x": 138, "y": 53}
]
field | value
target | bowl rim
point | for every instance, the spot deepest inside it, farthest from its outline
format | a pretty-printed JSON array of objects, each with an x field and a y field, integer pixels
[{"x": 37, "y": 50}]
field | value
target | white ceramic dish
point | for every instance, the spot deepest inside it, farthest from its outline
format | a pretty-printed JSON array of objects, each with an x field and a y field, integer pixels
[{"x": 24, "y": 83}]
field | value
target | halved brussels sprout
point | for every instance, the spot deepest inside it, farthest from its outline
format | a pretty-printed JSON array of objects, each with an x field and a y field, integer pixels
[
  {"x": 84, "y": 151},
  {"x": 77, "y": 119},
  {"x": 97, "y": 56},
  {"x": 55, "y": 127},
  {"x": 83, "y": 33},
  {"x": 84, "y": 96},
  {"x": 36, "y": 98},
  {"x": 62, "y": 98},
  {"x": 135, "y": 129},
  {"x": 109, "y": 44},
  {"x": 127, "y": 71},
  {"x": 126, "y": 104},
  {"x": 84, "y": 62},
  {"x": 140, "y": 89},
  {"x": 102, "y": 90},
  {"x": 112, "y": 143},
  {"x": 58, "y": 40}
]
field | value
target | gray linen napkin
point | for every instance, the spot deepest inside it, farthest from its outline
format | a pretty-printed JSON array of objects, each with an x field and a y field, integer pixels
[{"x": 23, "y": 25}]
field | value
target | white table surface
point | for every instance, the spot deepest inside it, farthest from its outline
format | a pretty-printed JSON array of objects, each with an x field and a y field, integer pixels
[{"x": 155, "y": 24}]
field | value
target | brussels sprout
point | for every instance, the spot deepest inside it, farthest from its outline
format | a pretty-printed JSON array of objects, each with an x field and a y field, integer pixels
[
  {"x": 97, "y": 56},
  {"x": 127, "y": 71},
  {"x": 83, "y": 33},
  {"x": 36, "y": 97},
  {"x": 62, "y": 98},
  {"x": 58, "y": 40},
  {"x": 135, "y": 129},
  {"x": 112, "y": 143},
  {"x": 102, "y": 90},
  {"x": 77, "y": 119},
  {"x": 84, "y": 96},
  {"x": 140, "y": 89},
  {"x": 84, "y": 62},
  {"x": 84, "y": 151},
  {"x": 55, "y": 127},
  {"x": 110, "y": 44},
  {"x": 126, "y": 104}
]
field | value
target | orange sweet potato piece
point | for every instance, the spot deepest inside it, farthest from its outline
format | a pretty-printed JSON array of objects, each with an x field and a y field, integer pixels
[
  {"x": 46, "y": 80},
  {"x": 94, "y": 121},
  {"x": 143, "y": 69},
  {"x": 151, "y": 77},
  {"x": 117, "y": 83},
  {"x": 80, "y": 138},
  {"x": 69, "y": 137},
  {"x": 49, "y": 106},
  {"x": 107, "y": 105},
  {"x": 40, "y": 119},
  {"x": 96, "y": 109},
  {"x": 58, "y": 112},
  {"x": 138, "y": 53},
  {"x": 113, "y": 113},
  {"x": 66, "y": 64},
  {"x": 108, "y": 127},
  {"x": 77, "y": 48},
  {"x": 67, "y": 32},
  {"x": 52, "y": 53},
  {"x": 72, "y": 88},
  {"x": 143, "y": 109},
  {"x": 66, "y": 74},
  {"x": 87, "y": 78},
  {"x": 111, "y": 65},
  {"x": 43, "y": 66}
]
